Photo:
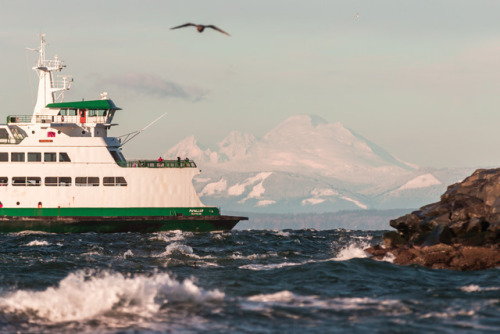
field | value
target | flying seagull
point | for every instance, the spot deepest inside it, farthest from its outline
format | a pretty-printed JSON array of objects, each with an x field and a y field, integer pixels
[{"x": 200, "y": 27}]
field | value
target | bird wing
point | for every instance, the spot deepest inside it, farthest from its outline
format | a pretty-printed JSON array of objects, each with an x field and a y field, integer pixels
[
  {"x": 215, "y": 28},
  {"x": 184, "y": 25}
]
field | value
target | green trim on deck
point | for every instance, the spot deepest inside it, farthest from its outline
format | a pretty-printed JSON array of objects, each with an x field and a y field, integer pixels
[
  {"x": 108, "y": 212},
  {"x": 93, "y": 105}
]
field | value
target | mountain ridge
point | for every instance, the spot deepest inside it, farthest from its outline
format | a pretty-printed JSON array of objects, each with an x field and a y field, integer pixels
[{"x": 305, "y": 164}]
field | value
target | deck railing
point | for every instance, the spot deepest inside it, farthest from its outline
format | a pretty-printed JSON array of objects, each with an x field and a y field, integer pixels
[
  {"x": 57, "y": 119},
  {"x": 158, "y": 164}
]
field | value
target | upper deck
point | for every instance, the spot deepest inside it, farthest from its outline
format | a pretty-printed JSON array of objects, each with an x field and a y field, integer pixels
[{"x": 87, "y": 113}]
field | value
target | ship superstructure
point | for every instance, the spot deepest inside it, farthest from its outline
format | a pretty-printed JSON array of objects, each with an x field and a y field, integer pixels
[{"x": 60, "y": 172}]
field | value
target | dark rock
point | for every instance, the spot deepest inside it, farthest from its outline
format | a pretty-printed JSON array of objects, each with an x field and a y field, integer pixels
[
  {"x": 378, "y": 252},
  {"x": 459, "y": 227},
  {"x": 461, "y": 231},
  {"x": 393, "y": 239},
  {"x": 477, "y": 225},
  {"x": 441, "y": 234},
  {"x": 476, "y": 258}
]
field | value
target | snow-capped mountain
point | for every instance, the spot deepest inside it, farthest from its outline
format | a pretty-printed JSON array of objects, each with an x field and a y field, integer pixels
[{"x": 306, "y": 164}]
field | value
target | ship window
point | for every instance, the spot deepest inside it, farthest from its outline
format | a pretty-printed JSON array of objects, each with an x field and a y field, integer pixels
[
  {"x": 49, "y": 157},
  {"x": 63, "y": 157},
  {"x": 4, "y": 180},
  {"x": 108, "y": 181},
  {"x": 34, "y": 156},
  {"x": 120, "y": 181},
  {"x": 114, "y": 181},
  {"x": 17, "y": 156},
  {"x": 26, "y": 181},
  {"x": 19, "y": 181},
  {"x": 93, "y": 181},
  {"x": 64, "y": 181},
  {"x": 87, "y": 181},
  {"x": 4, "y": 156},
  {"x": 4, "y": 135},
  {"x": 117, "y": 156},
  {"x": 68, "y": 112},
  {"x": 34, "y": 181},
  {"x": 51, "y": 181}
]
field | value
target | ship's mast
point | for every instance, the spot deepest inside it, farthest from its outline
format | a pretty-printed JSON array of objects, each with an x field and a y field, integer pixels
[{"x": 47, "y": 86}]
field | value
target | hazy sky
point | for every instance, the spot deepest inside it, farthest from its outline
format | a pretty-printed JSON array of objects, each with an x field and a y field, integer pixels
[{"x": 419, "y": 78}]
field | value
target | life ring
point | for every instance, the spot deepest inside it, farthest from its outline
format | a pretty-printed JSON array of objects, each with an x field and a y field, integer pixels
[{"x": 62, "y": 118}]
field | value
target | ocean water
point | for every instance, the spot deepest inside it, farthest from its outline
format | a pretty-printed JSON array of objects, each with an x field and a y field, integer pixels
[{"x": 291, "y": 281}]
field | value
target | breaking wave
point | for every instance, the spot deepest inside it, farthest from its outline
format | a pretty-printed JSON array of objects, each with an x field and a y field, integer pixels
[
  {"x": 82, "y": 296},
  {"x": 37, "y": 243}
]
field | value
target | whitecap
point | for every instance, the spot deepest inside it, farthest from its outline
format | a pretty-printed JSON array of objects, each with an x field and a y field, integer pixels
[
  {"x": 286, "y": 298},
  {"x": 37, "y": 243},
  {"x": 128, "y": 253},
  {"x": 352, "y": 250},
  {"x": 178, "y": 248},
  {"x": 281, "y": 296},
  {"x": 29, "y": 232},
  {"x": 80, "y": 296},
  {"x": 171, "y": 236},
  {"x": 91, "y": 253},
  {"x": 477, "y": 288},
  {"x": 258, "y": 267},
  {"x": 239, "y": 256},
  {"x": 217, "y": 237}
]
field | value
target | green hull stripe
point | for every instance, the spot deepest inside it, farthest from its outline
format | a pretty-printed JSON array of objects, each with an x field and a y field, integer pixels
[{"x": 108, "y": 212}]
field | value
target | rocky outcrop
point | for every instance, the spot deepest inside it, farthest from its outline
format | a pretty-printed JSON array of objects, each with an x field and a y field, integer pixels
[{"x": 461, "y": 231}]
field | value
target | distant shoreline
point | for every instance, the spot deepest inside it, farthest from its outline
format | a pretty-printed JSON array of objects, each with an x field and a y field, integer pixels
[{"x": 352, "y": 220}]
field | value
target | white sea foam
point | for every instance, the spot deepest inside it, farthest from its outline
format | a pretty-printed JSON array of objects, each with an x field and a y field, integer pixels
[
  {"x": 177, "y": 248},
  {"x": 286, "y": 298},
  {"x": 171, "y": 236},
  {"x": 22, "y": 233},
  {"x": 352, "y": 250},
  {"x": 38, "y": 243},
  {"x": 80, "y": 296},
  {"x": 128, "y": 253},
  {"x": 217, "y": 237},
  {"x": 389, "y": 257},
  {"x": 281, "y": 296},
  {"x": 239, "y": 256},
  {"x": 283, "y": 234},
  {"x": 477, "y": 288},
  {"x": 258, "y": 267},
  {"x": 449, "y": 313}
]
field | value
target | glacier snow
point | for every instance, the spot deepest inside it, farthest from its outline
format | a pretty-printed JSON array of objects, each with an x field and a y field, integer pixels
[{"x": 306, "y": 164}]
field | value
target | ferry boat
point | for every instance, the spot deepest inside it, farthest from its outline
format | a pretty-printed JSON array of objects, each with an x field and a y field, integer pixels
[{"x": 60, "y": 172}]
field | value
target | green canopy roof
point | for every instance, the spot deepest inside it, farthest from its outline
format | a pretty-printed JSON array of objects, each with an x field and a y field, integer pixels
[{"x": 93, "y": 105}]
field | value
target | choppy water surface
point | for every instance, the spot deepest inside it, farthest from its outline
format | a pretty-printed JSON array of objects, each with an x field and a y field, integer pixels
[{"x": 241, "y": 281}]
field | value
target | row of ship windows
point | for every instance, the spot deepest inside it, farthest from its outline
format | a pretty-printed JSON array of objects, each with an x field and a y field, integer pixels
[
  {"x": 64, "y": 181},
  {"x": 34, "y": 157}
]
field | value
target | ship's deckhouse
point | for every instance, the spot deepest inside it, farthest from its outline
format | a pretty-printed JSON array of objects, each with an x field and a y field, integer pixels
[{"x": 82, "y": 118}]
